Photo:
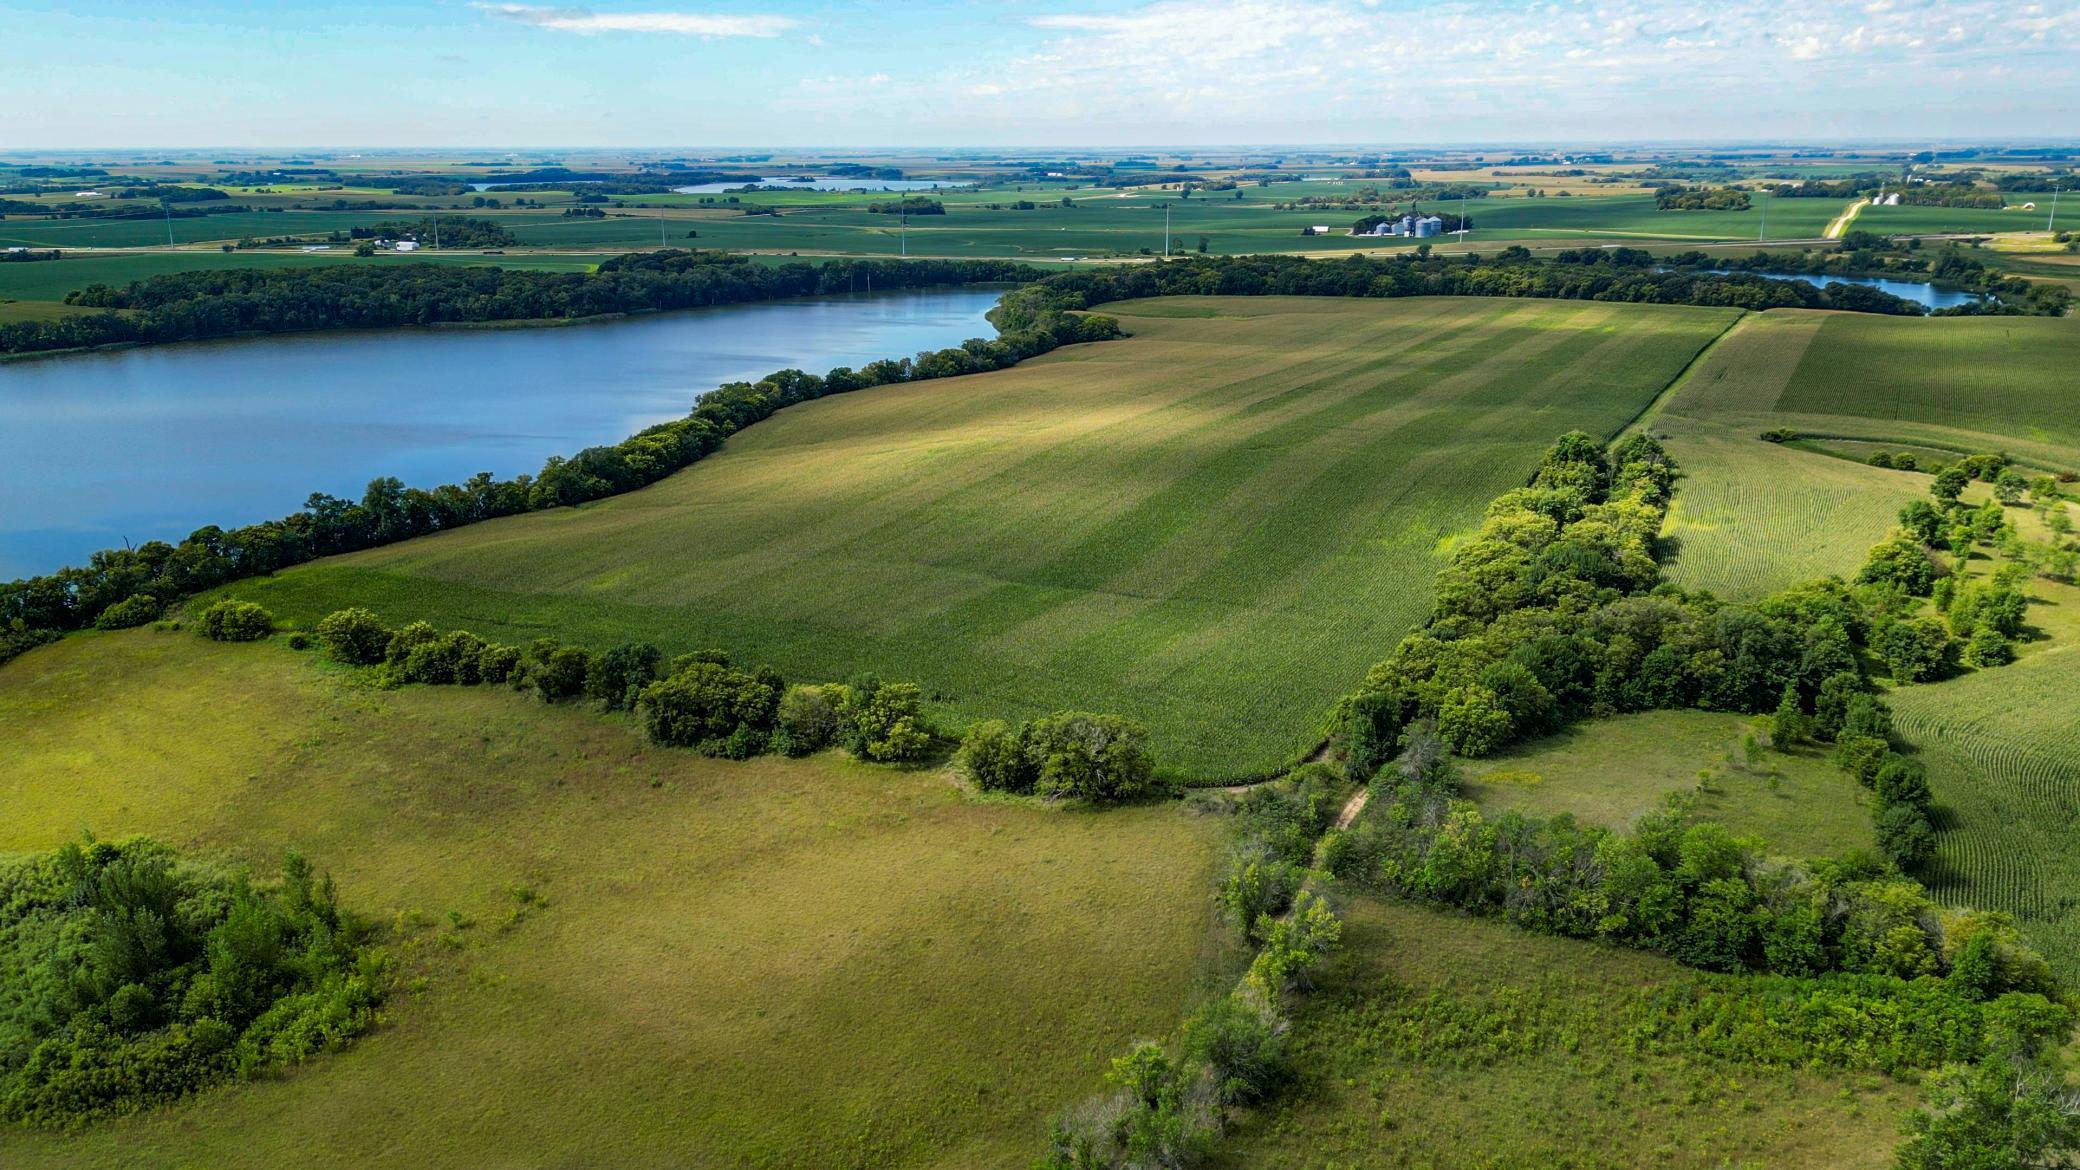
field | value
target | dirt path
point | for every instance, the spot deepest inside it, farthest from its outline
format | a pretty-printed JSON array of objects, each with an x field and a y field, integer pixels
[
  {"x": 1351, "y": 808},
  {"x": 1841, "y": 222}
]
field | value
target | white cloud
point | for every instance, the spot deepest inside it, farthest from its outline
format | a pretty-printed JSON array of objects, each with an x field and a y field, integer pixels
[
  {"x": 695, "y": 24},
  {"x": 1248, "y": 60}
]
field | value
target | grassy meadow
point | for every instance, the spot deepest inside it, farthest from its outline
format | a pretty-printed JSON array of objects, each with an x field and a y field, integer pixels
[
  {"x": 1610, "y": 771},
  {"x": 611, "y": 953},
  {"x": 1436, "y": 1041},
  {"x": 1214, "y": 526}
]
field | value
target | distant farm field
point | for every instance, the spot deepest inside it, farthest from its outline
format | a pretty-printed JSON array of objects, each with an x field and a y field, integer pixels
[
  {"x": 773, "y": 963},
  {"x": 1213, "y": 526},
  {"x": 1753, "y": 516},
  {"x": 2008, "y": 378}
]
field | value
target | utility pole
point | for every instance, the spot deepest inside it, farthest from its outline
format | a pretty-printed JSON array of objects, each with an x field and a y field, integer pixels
[
  {"x": 1762, "y": 232},
  {"x": 903, "y": 202},
  {"x": 166, "y": 205},
  {"x": 2053, "y": 219},
  {"x": 436, "y": 231},
  {"x": 1166, "y": 231}
]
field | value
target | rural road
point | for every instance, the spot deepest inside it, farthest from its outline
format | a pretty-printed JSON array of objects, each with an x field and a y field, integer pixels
[{"x": 1841, "y": 222}]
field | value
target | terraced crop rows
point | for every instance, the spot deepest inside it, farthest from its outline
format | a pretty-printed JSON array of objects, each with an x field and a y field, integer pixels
[
  {"x": 1214, "y": 526},
  {"x": 2003, "y": 749}
]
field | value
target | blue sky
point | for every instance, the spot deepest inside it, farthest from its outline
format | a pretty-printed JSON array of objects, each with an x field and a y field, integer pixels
[{"x": 98, "y": 73}]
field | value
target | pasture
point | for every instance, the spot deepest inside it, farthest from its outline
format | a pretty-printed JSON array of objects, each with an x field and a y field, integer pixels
[
  {"x": 1213, "y": 526},
  {"x": 608, "y": 952},
  {"x": 1439, "y": 1041},
  {"x": 1610, "y": 771}
]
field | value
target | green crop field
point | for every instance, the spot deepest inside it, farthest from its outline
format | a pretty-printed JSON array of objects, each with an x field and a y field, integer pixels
[
  {"x": 775, "y": 963},
  {"x": 1754, "y": 516},
  {"x": 1439, "y": 1041},
  {"x": 1609, "y": 771},
  {"x": 1623, "y": 216},
  {"x": 1907, "y": 219},
  {"x": 1214, "y": 526},
  {"x": 2003, "y": 750},
  {"x": 50, "y": 280},
  {"x": 1990, "y": 380}
]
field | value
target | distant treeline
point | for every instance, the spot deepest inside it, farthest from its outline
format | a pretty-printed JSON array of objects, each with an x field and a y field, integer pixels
[
  {"x": 25, "y": 257},
  {"x": 1588, "y": 274},
  {"x": 1678, "y": 198},
  {"x": 188, "y": 306},
  {"x": 129, "y": 586}
]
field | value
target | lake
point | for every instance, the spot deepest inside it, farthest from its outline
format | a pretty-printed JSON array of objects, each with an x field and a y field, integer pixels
[
  {"x": 1920, "y": 292},
  {"x": 153, "y": 443}
]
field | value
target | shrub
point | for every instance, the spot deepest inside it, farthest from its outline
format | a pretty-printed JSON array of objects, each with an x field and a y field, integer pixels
[
  {"x": 1905, "y": 836},
  {"x": 299, "y": 641},
  {"x": 1915, "y": 649},
  {"x": 553, "y": 671},
  {"x": 496, "y": 663},
  {"x": 808, "y": 719},
  {"x": 234, "y": 621},
  {"x": 407, "y": 638},
  {"x": 1986, "y": 647},
  {"x": 354, "y": 636},
  {"x": 1093, "y": 757},
  {"x": 132, "y": 611},
  {"x": 707, "y": 704},
  {"x": 884, "y": 721},
  {"x": 1242, "y": 1042},
  {"x": 995, "y": 758},
  {"x": 615, "y": 678}
]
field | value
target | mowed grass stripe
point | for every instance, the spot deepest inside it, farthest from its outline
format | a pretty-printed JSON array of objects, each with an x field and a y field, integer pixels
[{"x": 1212, "y": 526}]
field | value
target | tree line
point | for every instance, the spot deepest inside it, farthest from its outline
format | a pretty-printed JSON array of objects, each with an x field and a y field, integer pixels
[
  {"x": 1589, "y": 274},
  {"x": 187, "y": 306},
  {"x": 131, "y": 586}
]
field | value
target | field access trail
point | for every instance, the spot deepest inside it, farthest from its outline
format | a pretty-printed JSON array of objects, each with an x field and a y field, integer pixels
[{"x": 1213, "y": 526}]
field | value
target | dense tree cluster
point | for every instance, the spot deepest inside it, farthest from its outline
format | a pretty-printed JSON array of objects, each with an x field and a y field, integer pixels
[
  {"x": 1589, "y": 274},
  {"x": 456, "y": 231},
  {"x": 1679, "y": 198},
  {"x": 1070, "y": 754},
  {"x": 699, "y": 700},
  {"x": 26, "y": 256},
  {"x": 1030, "y": 321},
  {"x": 908, "y": 205},
  {"x": 133, "y": 977}
]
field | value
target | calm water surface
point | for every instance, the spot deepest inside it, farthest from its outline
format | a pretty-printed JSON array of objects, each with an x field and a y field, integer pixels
[
  {"x": 1920, "y": 292},
  {"x": 144, "y": 444}
]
